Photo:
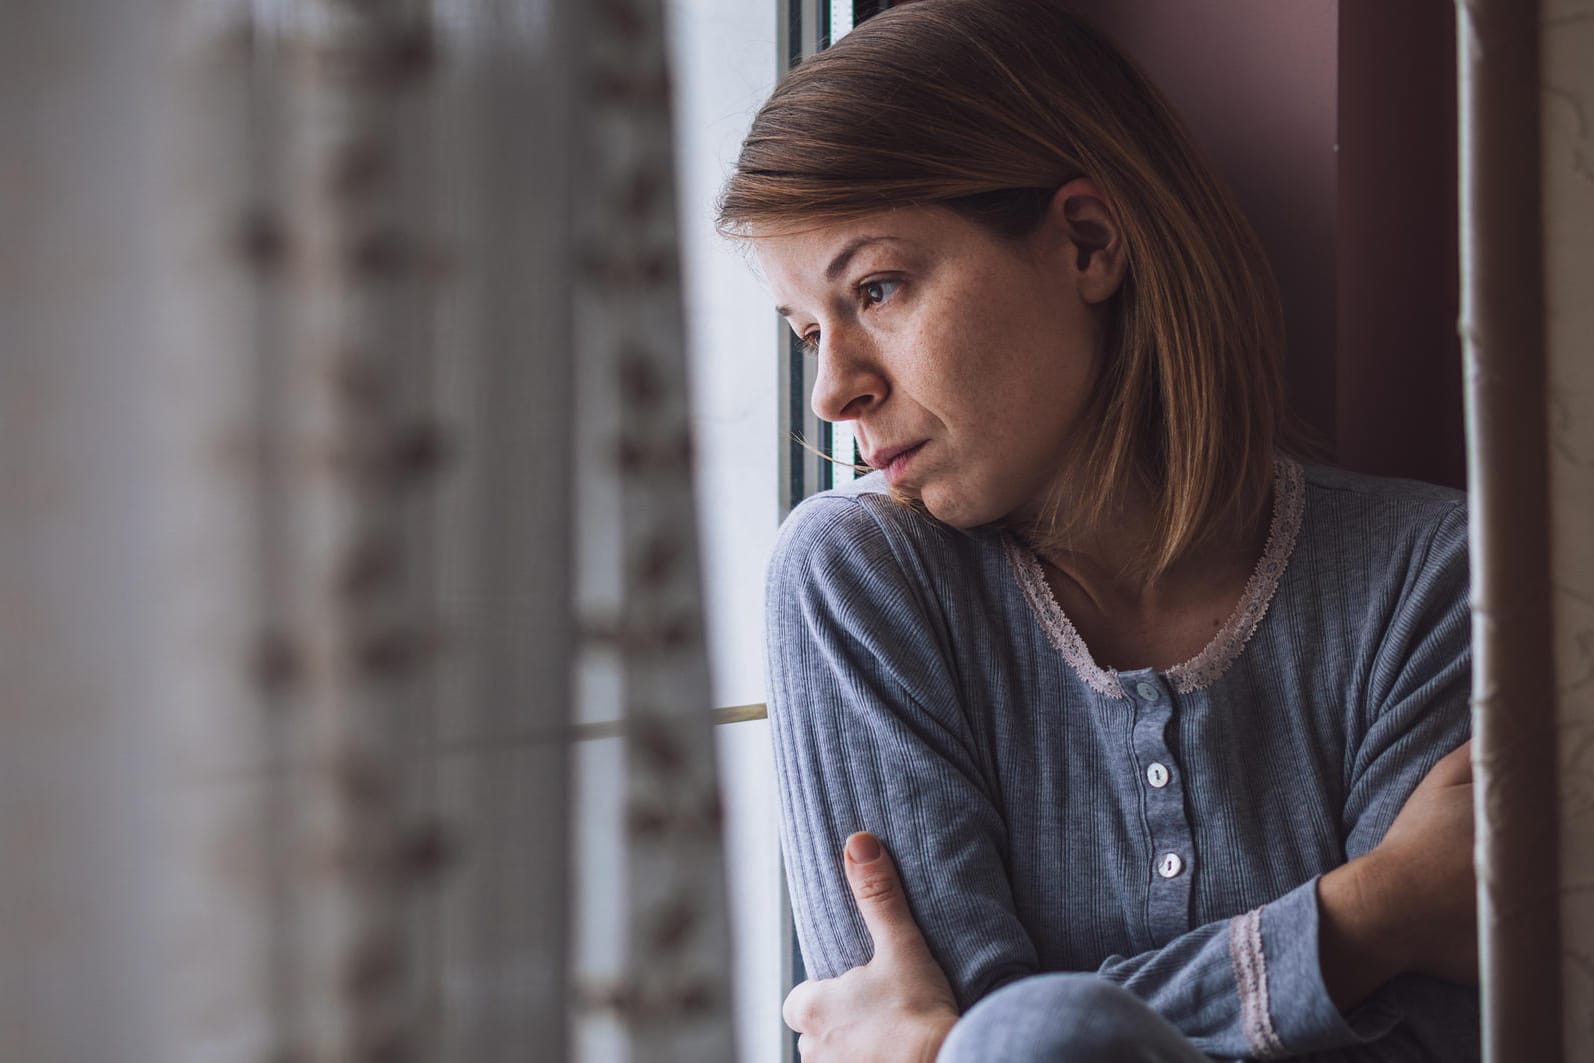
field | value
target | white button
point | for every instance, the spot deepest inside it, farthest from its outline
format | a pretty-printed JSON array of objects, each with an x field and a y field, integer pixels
[
  {"x": 1170, "y": 865},
  {"x": 1157, "y": 775},
  {"x": 1147, "y": 691}
]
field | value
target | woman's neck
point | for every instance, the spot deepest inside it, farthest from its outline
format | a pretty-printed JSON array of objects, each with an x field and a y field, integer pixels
[{"x": 1132, "y": 620}]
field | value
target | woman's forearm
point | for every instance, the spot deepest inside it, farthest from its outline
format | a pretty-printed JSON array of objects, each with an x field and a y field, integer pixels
[
  {"x": 1359, "y": 940},
  {"x": 1410, "y": 904}
]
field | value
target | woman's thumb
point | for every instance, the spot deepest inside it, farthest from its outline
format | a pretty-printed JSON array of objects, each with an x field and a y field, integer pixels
[{"x": 878, "y": 891}]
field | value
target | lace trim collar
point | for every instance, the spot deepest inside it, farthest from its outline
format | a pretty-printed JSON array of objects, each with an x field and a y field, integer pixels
[{"x": 1289, "y": 500}]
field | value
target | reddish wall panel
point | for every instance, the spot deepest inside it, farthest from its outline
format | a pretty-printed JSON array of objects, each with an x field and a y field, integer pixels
[
  {"x": 1257, "y": 81},
  {"x": 1334, "y": 123},
  {"x": 1399, "y": 406}
]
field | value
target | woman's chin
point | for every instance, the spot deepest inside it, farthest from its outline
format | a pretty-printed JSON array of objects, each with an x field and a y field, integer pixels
[{"x": 954, "y": 510}]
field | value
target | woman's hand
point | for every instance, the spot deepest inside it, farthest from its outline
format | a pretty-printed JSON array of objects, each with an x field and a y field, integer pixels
[
  {"x": 898, "y": 1007},
  {"x": 1410, "y": 905}
]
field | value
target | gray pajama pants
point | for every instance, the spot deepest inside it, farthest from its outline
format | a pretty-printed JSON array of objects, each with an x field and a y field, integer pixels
[{"x": 1065, "y": 1018}]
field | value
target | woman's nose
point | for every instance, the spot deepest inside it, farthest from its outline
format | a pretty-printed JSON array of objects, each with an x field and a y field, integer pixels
[{"x": 849, "y": 380}]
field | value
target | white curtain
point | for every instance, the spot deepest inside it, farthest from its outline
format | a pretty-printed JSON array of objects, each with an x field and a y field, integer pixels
[
  {"x": 1567, "y": 99},
  {"x": 335, "y": 339}
]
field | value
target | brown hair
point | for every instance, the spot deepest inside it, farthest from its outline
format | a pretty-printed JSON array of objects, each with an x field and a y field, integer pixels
[{"x": 984, "y": 107}]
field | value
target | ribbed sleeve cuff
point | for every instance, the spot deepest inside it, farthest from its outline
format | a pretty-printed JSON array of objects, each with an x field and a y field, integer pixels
[{"x": 1284, "y": 1005}]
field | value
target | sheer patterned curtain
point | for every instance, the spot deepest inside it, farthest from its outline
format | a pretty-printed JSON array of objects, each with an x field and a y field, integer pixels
[{"x": 336, "y": 339}]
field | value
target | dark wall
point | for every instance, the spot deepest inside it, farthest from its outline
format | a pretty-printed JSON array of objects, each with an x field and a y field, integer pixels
[
  {"x": 1334, "y": 122},
  {"x": 1399, "y": 353}
]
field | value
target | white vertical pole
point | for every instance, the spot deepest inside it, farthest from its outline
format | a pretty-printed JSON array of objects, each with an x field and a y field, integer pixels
[{"x": 1513, "y": 669}]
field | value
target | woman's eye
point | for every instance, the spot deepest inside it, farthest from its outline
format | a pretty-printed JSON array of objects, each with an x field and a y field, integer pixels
[
  {"x": 809, "y": 342},
  {"x": 877, "y": 292}
]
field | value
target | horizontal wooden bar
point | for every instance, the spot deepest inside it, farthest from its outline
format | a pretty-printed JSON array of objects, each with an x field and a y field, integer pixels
[{"x": 585, "y": 732}]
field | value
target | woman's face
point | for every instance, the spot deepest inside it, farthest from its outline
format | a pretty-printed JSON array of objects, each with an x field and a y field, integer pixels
[{"x": 963, "y": 359}]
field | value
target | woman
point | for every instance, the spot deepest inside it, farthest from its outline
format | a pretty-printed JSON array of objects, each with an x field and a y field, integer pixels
[{"x": 1149, "y": 715}]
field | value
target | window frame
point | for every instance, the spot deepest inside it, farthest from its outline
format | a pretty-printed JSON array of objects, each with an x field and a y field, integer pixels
[{"x": 805, "y": 27}]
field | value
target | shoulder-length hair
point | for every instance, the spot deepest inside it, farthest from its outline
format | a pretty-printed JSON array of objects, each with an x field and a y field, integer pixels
[{"x": 986, "y": 106}]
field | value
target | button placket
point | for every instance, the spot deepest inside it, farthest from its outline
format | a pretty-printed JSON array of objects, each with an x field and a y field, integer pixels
[{"x": 1170, "y": 839}]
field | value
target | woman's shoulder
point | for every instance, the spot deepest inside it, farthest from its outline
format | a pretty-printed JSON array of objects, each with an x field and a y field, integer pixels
[
  {"x": 861, "y": 523},
  {"x": 1384, "y": 512},
  {"x": 1381, "y": 489},
  {"x": 851, "y": 505},
  {"x": 1392, "y": 546}
]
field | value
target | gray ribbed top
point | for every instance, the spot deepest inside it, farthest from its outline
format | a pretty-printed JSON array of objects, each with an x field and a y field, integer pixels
[{"x": 1164, "y": 828}]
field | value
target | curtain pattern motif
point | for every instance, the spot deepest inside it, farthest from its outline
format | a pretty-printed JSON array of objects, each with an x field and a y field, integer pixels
[
  {"x": 327, "y": 369},
  {"x": 674, "y": 1001}
]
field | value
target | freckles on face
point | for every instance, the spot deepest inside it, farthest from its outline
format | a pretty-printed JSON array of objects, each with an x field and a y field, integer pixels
[
  {"x": 1012, "y": 367},
  {"x": 976, "y": 348}
]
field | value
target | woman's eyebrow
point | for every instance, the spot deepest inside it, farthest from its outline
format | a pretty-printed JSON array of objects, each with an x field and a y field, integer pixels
[
  {"x": 844, "y": 256},
  {"x": 852, "y": 247}
]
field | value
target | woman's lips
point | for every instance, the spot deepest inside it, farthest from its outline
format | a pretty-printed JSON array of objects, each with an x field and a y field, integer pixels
[{"x": 894, "y": 461}]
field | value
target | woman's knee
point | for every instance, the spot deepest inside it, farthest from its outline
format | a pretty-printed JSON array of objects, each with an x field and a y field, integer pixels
[{"x": 1064, "y": 1018}]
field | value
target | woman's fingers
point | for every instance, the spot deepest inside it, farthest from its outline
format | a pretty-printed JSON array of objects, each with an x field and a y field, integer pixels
[
  {"x": 884, "y": 907},
  {"x": 798, "y": 1009},
  {"x": 898, "y": 1007}
]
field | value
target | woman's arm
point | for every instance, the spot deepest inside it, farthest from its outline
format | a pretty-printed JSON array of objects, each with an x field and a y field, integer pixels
[
  {"x": 1314, "y": 968},
  {"x": 1409, "y": 906},
  {"x": 869, "y": 736},
  {"x": 1405, "y": 903},
  {"x": 898, "y": 1007}
]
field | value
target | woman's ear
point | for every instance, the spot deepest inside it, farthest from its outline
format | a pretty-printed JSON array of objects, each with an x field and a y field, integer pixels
[{"x": 1081, "y": 218}]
